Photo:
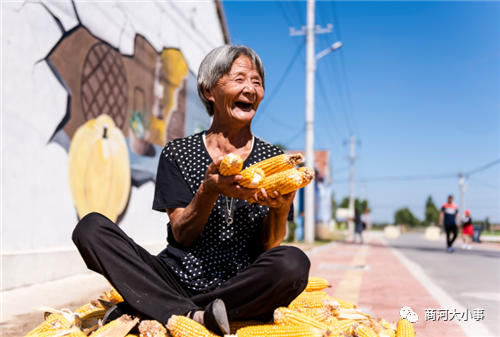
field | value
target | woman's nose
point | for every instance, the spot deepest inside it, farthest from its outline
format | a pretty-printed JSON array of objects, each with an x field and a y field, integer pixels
[{"x": 249, "y": 88}]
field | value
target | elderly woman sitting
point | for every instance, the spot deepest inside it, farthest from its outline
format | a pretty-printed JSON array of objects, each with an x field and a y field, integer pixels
[{"x": 223, "y": 259}]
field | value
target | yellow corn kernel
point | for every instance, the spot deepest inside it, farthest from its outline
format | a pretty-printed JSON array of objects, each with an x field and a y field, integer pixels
[
  {"x": 234, "y": 326},
  {"x": 405, "y": 328},
  {"x": 331, "y": 320},
  {"x": 252, "y": 177},
  {"x": 181, "y": 326},
  {"x": 93, "y": 305},
  {"x": 283, "y": 182},
  {"x": 53, "y": 321},
  {"x": 301, "y": 330},
  {"x": 96, "y": 313},
  {"x": 319, "y": 314},
  {"x": 317, "y": 283},
  {"x": 313, "y": 302},
  {"x": 285, "y": 316},
  {"x": 279, "y": 163},
  {"x": 152, "y": 329},
  {"x": 231, "y": 165},
  {"x": 119, "y": 321},
  {"x": 361, "y": 330}
]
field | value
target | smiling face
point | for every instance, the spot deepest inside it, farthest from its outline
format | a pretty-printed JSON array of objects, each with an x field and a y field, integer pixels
[{"x": 237, "y": 95}]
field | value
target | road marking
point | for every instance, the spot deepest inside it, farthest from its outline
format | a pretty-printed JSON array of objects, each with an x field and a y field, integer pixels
[
  {"x": 349, "y": 287},
  {"x": 483, "y": 296},
  {"x": 471, "y": 328}
]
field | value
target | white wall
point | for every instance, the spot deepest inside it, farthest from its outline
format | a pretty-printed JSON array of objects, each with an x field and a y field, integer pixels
[{"x": 38, "y": 214}]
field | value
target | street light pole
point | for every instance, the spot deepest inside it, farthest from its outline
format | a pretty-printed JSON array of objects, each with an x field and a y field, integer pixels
[
  {"x": 309, "y": 213},
  {"x": 462, "y": 193}
]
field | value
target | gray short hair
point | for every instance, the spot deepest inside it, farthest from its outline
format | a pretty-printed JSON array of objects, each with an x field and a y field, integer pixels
[{"x": 218, "y": 63}]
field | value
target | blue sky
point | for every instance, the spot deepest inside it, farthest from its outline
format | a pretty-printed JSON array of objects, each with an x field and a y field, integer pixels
[{"x": 418, "y": 83}]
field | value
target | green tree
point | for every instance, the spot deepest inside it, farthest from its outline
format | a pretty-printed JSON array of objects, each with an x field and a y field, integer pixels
[
  {"x": 358, "y": 205},
  {"x": 404, "y": 216},
  {"x": 431, "y": 213},
  {"x": 344, "y": 203}
]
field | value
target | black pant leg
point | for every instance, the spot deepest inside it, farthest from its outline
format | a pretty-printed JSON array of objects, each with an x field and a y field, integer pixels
[
  {"x": 451, "y": 234},
  {"x": 275, "y": 278},
  {"x": 143, "y": 280},
  {"x": 454, "y": 231}
]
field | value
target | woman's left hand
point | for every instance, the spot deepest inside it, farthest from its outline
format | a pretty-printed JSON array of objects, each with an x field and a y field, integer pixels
[{"x": 278, "y": 203}]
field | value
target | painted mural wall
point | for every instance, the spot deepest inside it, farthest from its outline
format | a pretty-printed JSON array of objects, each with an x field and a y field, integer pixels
[{"x": 92, "y": 92}]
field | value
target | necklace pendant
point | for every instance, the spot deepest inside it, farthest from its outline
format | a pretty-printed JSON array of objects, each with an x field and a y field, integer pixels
[{"x": 229, "y": 220}]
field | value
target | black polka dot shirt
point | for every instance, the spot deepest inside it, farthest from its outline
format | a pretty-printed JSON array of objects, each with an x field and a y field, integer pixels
[{"x": 222, "y": 250}]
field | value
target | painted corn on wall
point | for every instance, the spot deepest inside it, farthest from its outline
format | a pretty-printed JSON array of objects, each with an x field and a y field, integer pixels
[{"x": 91, "y": 93}]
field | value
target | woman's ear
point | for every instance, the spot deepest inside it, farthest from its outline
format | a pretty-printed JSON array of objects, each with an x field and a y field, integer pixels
[{"x": 208, "y": 94}]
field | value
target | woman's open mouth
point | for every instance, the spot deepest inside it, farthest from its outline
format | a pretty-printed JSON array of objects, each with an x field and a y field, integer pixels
[{"x": 243, "y": 105}]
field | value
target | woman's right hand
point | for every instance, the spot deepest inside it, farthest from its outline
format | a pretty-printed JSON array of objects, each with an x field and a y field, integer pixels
[{"x": 215, "y": 184}]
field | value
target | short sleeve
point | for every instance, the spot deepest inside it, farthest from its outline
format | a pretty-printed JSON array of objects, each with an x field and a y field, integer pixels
[{"x": 171, "y": 188}]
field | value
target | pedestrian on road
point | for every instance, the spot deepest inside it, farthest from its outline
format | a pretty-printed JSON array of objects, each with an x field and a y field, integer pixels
[
  {"x": 449, "y": 217},
  {"x": 467, "y": 231},
  {"x": 359, "y": 227}
]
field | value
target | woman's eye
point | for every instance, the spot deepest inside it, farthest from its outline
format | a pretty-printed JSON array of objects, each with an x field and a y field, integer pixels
[
  {"x": 239, "y": 80},
  {"x": 256, "y": 83}
]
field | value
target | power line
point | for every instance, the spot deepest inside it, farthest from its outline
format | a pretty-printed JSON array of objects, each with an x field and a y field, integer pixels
[
  {"x": 482, "y": 168},
  {"x": 424, "y": 177},
  {"x": 280, "y": 82}
]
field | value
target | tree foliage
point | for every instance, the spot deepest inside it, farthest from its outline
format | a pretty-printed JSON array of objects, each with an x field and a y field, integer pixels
[
  {"x": 360, "y": 206},
  {"x": 431, "y": 213},
  {"x": 404, "y": 216}
]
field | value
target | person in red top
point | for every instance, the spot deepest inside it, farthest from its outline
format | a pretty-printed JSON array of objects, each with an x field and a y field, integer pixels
[
  {"x": 450, "y": 219},
  {"x": 467, "y": 231}
]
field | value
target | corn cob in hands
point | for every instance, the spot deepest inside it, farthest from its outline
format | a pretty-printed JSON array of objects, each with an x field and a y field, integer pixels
[
  {"x": 279, "y": 163},
  {"x": 284, "y": 182},
  {"x": 231, "y": 165}
]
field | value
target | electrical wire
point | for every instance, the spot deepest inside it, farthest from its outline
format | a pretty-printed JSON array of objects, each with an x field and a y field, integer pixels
[
  {"x": 280, "y": 83},
  {"x": 482, "y": 168}
]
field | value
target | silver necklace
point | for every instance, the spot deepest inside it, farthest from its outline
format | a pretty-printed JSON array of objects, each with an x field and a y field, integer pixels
[{"x": 229, "y": 208}]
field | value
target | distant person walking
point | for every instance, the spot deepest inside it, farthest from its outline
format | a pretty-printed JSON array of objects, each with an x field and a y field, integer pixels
[
  {"x": 359, "y": 227},
  {"x": 467, "y": 231},
  {"x": 450, "y": 219}
]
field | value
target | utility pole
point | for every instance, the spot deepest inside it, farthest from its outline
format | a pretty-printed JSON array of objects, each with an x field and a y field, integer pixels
[
  {"x": 309, "y": 212},
  {"x": 462, "y": 192},
  {"x": 352, "y": 158},
  {"x": 310, "y": 30}
]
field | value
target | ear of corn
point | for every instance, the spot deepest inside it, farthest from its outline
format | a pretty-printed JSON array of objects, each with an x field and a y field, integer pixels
[
  {"x": 283, "y": 182},
  {"x": 88, "y": 307},
  {"x": 405, "y": 328},
  {"x": 387, "y": 330},
  {"x": 76, "y": 332},
  {"x": 252, "y": 177},
  {"x": 346, "y": 305},
  {"x": 307, "y": 175},
  {"x": 279, "y": 163},
  {"x": 51, "y": 333},
  {"x": 285, "y": 316},
  {"x": 94, "y": 314},
  {"x": 53, "y": 321},
  {"x": 152, "y": 329},
  {"x": 319, "y": 314},
  {"x": 345, "y": 325},
  {"x": 317, "y": 283},
  {"x": 313, "y": 302},
  {"x": 234, "y": 326},
  {"x": 231, "y": 165},
  {"x": 301, "y": 330},
  {"x": 361, "y": 330},
  {"x": 115, "y": 296},
  {"x": 117, "y": 322},
  {"x": 181, "y": 326}
]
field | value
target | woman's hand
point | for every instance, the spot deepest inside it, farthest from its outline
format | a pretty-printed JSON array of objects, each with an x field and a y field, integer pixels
[
  {"x": 278, "y": 203},
  {"x": 215, "y": 184}
]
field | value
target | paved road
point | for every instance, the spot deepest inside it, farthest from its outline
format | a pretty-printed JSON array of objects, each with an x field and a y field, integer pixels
[{"x": 470, "y": 277}]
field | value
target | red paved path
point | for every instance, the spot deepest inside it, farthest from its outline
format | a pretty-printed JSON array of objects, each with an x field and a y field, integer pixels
[{"x": 386, "y": 286}]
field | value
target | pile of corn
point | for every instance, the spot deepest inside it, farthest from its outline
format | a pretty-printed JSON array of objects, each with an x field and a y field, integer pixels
[
  {"x": 312, "y": 314},
  {"x": 273, "y": 174}
]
